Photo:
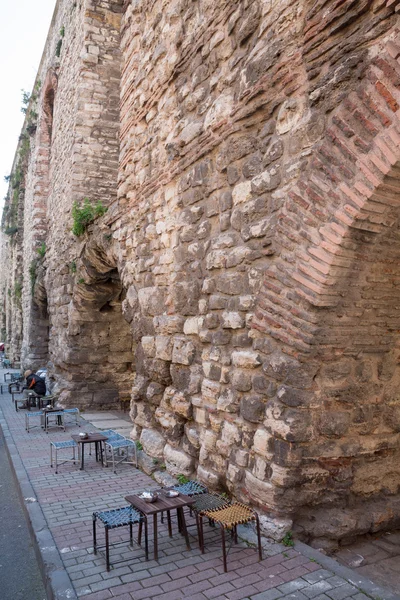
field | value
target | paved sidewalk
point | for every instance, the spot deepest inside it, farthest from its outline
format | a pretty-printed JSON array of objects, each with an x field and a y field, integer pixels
[{"x": 60, "y": 509}]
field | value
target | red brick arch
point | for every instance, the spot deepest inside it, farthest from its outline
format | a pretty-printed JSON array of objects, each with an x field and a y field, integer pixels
[
  {"x": 349, "y": 189},
  {"x": 331, "y": 300}
]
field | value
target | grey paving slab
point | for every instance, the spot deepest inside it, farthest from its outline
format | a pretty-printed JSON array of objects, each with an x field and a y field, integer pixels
[
  {"x": 110, "y": 424},
  {"x": 99, "y": 416}
]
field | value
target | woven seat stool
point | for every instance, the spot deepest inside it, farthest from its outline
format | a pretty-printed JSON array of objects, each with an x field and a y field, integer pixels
[
  {"x": 112, "y": 435},
  {"x": 58, "y": 416},
  {"x": 62, "y": 446},
  {"x": 191, "y": 488},
  {"x": 229, "y": 517},
  {"x": 35, "y": 417},
  {"x": 26, "y": 402},
  {"x": 204, "y": 503},
  {"x": 120, "y": 448},
  {"x": 119, "y": 517},
  {"x": 72, "y": 415}
]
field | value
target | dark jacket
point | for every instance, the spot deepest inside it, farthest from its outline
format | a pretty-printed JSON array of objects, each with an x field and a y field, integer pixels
[{"x": 36, "y": 384}]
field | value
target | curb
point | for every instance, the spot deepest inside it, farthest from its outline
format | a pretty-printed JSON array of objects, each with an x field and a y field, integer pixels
[
  {"x": 362, "y": 583},
  {"x": 359, "y": 581},
  {"x": 56, "y": 580}
]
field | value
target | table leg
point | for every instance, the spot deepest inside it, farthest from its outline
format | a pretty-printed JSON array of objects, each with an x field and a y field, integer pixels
[
  {"x": 181, "y": 516},
  {"x": 146, "y": 539},
  {"x": 169, "y": 523},
  {"x": 155, "y": 536},
  {"x": 83, "y": 457},
  {"x": 96, "y": 446}
]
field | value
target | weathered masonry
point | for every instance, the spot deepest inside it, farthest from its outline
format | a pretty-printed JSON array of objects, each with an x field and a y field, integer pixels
[{"x": 243, "y": 288}]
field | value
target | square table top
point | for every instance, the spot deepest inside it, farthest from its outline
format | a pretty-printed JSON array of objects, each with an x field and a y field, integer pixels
[
  {"x": 92, "y": 437},
  {"x": 161, "y": 504}
]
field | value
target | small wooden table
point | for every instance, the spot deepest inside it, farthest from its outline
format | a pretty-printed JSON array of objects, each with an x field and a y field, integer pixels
[
  {"x": 163, "y": 504},
  {"x": 93, "y": 438}
]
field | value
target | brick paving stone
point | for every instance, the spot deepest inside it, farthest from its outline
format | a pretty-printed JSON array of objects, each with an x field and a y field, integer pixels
[
  {"x": 360, "y": 596},
  {"x": 296, "y": 562},
  {"x": 318, "y": 575},
  {"x": 196, "y": 588},
  {"x": 295, "y": 596},
  {"x": 292, "y": 586},
  {"x": 213, "y": 592},
  {"x": 272, "y": 582},
  {"x": 316, "y": 588},
  {"x": 127, "y": 588},
  {"x": 294, "y": 573},
  {"x": 248, "y": 580},
  {"x": 103, "y": 595},
  {"x": 344, "y": 591},
  {"x": 336, "y": 581},
  {"x": 83, "y": 591},
  {"x": 242, "y": 593},
  {"x": 104, "y": 584},
  {"x": 185, "y": 572},
  {"x": 201, "y": 575},
  {"x": 147, "y": 593},
  {"x": 268, "y": 595}
]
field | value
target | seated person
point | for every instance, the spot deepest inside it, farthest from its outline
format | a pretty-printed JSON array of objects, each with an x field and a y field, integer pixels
[{"x": 34, "y": 383}]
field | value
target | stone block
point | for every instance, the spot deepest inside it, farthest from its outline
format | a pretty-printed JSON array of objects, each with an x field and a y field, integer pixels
[
  {"x": 232, "y": 320},
  {"x": 241, "y": 380},
  {"x": 246, "y": 359},
  {"x": 183, "y": 351},
  {"x": 168, "y": 324},
  {"x": 152, "y": 300},
  {"x": 275, "y": 528},
  {"x": 241, "y": 193},
  {"x": 210, "y": 390},
  {"x": 178, "y": 462},
  {"x": 252, "y": 408},
  {"x": 181, "y": 406},
  {"x": 228, "y": 401},
  {"x": 261, "y": 443},
  {"x": 153, "y": 442},
  {"x": 230, "y": 434},
  {"x": 208, "y": 477},
  {"x": 164, "y": 346},
  {"x": 172, "y": 425}
]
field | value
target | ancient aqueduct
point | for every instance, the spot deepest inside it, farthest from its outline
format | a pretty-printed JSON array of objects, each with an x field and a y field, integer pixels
[{"x": 243, "y": 287}]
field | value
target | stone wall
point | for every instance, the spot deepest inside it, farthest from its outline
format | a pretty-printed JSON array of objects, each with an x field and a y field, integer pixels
[{"x": 242, "y": 286}]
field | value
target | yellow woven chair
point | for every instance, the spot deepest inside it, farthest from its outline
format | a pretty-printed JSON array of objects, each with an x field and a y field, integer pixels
[{"x": 229, "y": 517}]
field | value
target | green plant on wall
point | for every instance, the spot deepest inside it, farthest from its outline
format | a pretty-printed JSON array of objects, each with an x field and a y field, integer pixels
[
  {"x": 182, "y": 478},
  {"x": 18, "y": 290},
  {"x": 72, "y": 267},
  {"x": 33, "y": 274},
  {"x": 11, "y": 230},
  {"x": 26, "y": 96},
  {"x": 58, "y": 47},
  {"x": 41, "y": 250},
  {"x": 85, "y": 214}
]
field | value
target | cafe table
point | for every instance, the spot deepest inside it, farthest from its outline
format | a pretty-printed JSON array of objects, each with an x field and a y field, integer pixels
[
  {"x": 97, "y": 439},
  {"x": 163, "y": 503}
]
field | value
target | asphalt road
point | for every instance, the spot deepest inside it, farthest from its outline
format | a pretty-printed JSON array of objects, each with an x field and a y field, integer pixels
[{"x": 20, "y": 578}]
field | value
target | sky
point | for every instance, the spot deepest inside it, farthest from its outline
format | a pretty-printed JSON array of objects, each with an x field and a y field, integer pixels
[{"x": 24, "y": 25}]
